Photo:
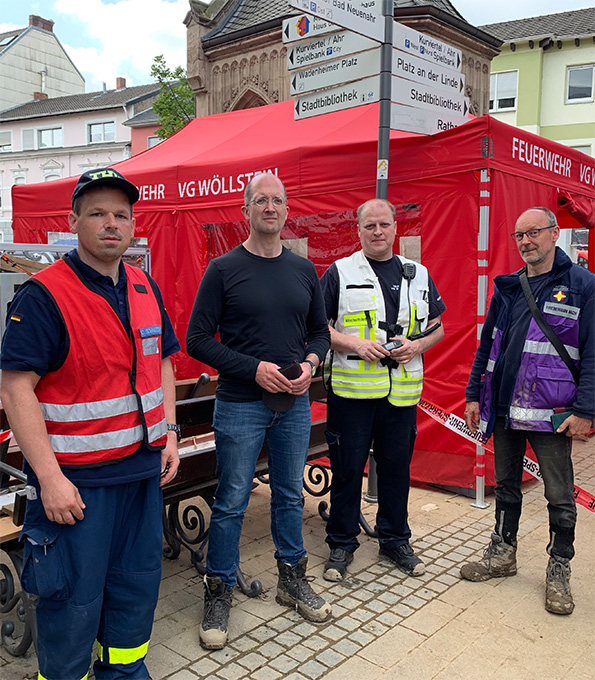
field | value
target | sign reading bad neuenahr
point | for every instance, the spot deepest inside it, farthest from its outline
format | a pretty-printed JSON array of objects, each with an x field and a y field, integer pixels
[{"x": 355, "y": 15}]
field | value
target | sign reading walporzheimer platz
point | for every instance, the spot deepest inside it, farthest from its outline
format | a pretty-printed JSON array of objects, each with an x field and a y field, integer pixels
[{"x": 329, "y": 73}]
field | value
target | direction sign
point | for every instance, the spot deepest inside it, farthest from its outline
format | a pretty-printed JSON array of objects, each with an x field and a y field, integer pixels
[
  {"x": 344, "y": 70},
  {"x": 426, "y": 97},
  {"x": 326, "y": 47},
  {"x": 410, "y": 119},
  {"x": 420, "y": 71},
  {"x": 338, "y": 98},
  {"x": 305, "y": 26},
  {"x": 425, "y": 46},
  {"x": 361, "y": 16}
]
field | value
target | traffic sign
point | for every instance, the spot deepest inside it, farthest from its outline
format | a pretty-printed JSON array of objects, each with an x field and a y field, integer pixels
[
  {"x": 361, "y": 16},
  {"x": 326, "y": 47},
  {"x": 305, "y": 26},
  {"x": 410, "y": 119},
  {"x": 361, "y": 92},
  {"x": 426, "y": 97},
  {"x": 420, "y": 71},
  {"x": 344, "y": 70},
  {"x": 425, "y": 46}
]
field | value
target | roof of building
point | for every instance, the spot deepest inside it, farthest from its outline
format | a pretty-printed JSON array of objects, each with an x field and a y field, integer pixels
[
  {"x": 143, "y": 119},
  {"x": 561, "y": 25},
  {"x": 75, "y": 103},
  {"x": 244, "y": 14}
]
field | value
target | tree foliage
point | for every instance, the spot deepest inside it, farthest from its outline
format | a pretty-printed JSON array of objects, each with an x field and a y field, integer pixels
[{"x": 175, "y": 103}]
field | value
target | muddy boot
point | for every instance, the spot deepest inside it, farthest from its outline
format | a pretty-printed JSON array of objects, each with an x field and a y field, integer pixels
[
  {"x": 499, "y": 559},
  {"x": 293, "y": 590},
  {"x": 213, "y": 629},
  {"x": 558, "y": 598}
]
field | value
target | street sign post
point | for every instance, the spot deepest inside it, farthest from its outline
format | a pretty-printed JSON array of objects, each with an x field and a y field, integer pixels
[
  {"x": 361, "y": 92},
  {"x": 305, "y": 26},
  {"x": 426, "y": 47},
  {"x": 344, "y": 70},
  {"x": 356, "y": 15},
  {"x": 326, "y": 47},
  {"x": 413, "y": 68}
]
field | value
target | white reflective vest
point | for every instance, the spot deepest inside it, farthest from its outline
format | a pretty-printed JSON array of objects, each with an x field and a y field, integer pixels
[{"x": 361, "y": 313}]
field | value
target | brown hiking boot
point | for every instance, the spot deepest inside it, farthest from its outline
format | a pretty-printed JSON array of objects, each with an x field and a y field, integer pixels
[
  {"x": 558, "y": 598},
  {"x": 499, "y": 559},
  {"x": 213, "y": 629},
  {"x": 293, "y": 590}
]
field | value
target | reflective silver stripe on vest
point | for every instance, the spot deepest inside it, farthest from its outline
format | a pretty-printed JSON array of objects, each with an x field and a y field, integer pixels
[
  {"x": 107, "y": 440},
  {"x": 96, "y": 410},
  {"x": 534, "y": 347},
  {"x": 490, "y": 365},
  {"x": 531, "y": 414},
  {"x": 494, "y": 331}
]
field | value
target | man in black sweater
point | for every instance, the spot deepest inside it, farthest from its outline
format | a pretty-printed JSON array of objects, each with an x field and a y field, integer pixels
[{"x": 267, "y": 306}]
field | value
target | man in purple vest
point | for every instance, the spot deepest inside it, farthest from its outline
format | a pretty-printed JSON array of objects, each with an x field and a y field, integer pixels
[{"x": 525, "y": 382}]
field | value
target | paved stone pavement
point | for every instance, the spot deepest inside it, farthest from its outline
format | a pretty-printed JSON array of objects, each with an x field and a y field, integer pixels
[{"x": 388, "y": 626}]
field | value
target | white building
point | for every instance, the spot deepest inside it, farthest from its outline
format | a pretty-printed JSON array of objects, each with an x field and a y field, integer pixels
[
  {"x": 33, "y": 62},
  {"x": 47, "y": 139}
]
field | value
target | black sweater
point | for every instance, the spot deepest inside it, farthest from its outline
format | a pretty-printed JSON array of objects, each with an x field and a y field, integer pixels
[{"x": 265, "y": 309}]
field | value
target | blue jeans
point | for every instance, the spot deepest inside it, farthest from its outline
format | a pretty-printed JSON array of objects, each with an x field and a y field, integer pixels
[
  {"x": 241, "y": 430},
  {"x": 553, "y": 452}
]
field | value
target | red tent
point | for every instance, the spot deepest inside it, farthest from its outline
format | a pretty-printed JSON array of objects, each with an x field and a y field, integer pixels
[{"x": 457, "y": 193}]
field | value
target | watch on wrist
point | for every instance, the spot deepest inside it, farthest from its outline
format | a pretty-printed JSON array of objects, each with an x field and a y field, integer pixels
[
  {"x": 314, "y": 367},
  {"x": 176, "y": 428}
]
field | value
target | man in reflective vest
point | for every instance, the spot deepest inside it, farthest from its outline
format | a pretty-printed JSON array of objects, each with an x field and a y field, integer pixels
[
  {"x": 88, "y": 387},
  {"x": 384, "y": 312},
  {"x": 517, "y": 381}
]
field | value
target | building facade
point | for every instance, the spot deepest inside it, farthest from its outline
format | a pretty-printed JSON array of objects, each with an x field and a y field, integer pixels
[
  {"x": 237, "y": 59},
  {"x": 544, "y": 78},
  {"x": 32, "y": 61},
  {"x": 47, "y": 139}
]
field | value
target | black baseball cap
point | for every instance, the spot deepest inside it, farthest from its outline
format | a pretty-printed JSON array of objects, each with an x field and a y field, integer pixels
[{"x": 102, "y": 177}]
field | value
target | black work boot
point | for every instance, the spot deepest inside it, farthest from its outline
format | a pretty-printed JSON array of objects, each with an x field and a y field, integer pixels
[
  {"x": 218, "y": 597},
  {"x": 336, "y": 567},
  {"x": 293, "y": 590},
  {"x": 404, "y": 559}
]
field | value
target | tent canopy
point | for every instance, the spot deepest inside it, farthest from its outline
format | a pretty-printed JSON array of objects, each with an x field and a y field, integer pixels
[{"x": 444, "y": 187}]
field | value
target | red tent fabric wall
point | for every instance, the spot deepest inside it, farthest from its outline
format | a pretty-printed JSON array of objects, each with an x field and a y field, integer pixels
[{"x": 192, "y": 188}]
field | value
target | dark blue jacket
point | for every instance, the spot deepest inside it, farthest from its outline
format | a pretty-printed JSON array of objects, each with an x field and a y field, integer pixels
[{"x": 579, "y": 285}]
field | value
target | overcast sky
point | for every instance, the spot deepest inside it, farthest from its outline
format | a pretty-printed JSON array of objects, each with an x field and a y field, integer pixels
[{"x": 110, "y": 38}]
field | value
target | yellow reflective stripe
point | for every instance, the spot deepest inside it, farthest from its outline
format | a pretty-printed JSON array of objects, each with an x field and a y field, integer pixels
[
  {"x": 41, "y": 677},
  {"x": 412, "y": 320},
  {"x": 122, "y": 655}
]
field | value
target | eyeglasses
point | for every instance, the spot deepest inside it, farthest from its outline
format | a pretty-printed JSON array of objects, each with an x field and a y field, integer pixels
[
  {"x": 518, "y": 236},
  {"x": 263, "y": 201}
]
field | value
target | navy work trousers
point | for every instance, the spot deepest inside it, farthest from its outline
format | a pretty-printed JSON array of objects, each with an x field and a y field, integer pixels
[
  {"x": 96, "y": 580},
  {"x": 353, "y": 427}
]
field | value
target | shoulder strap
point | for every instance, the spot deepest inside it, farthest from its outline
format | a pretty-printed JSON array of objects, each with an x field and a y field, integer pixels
[{"x": 546, "y": 328}]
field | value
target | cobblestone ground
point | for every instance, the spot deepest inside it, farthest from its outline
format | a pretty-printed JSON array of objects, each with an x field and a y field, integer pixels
[{"x": 387, "y": 625}]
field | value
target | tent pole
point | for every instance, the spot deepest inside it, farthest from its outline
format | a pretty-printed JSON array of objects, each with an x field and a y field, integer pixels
[
  {"x": 386, "y": 50},
  {"x": 482, "y": 295}
]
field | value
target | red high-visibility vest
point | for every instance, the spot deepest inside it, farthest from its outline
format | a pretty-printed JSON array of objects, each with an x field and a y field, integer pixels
[{"x": 106, "y": 398}]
